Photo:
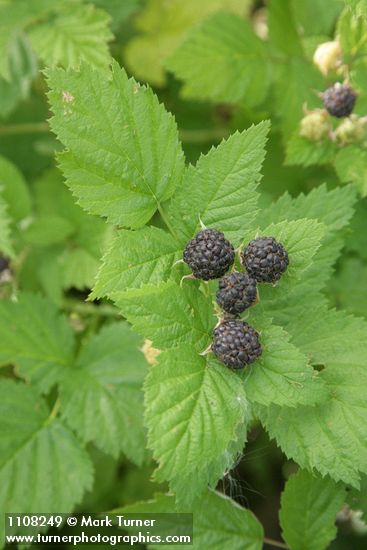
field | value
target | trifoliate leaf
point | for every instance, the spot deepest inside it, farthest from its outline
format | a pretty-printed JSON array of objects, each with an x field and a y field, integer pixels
[
  {"x": 163, "y": 26},
  {"x": 193, "y": 409},
  {"x": 223, "y": 45},
  {"x": 282, "y": 374},
  {"x": 169, "y": 314},
  {"x": 42, "y": 464},
  {"x": 123, "y": 155},
  {"x": 219, "y": 522},
  {"x": 6, "y": 247},
  {"x": 36, "y": 339},
  {"x": 14, "y": 190},
  {"x": 75, "y": 35},
  {"x": 145, "y": 256},
  {"x": 309, "y": 521},
  {"x": 101, "y": 397},
  {"x": 221, "y": 189},
  {"x": 331, "y": 436}
]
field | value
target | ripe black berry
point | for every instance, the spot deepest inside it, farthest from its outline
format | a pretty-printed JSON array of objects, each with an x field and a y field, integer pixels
[
  {"x": 265, "y": 259},
  {"x": 209, "y": 254},
  {"x": 236, "y": 292},
  {"x": 236, "y": 344},
  {"x": 339, "y": 100}
]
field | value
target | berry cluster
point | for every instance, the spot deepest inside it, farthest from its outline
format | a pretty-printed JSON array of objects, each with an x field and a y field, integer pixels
[{"x": 210, "y": 255}]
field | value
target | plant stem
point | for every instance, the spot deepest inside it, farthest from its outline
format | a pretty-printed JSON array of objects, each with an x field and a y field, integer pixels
[
  {"x": 86, "y": 309},
  {"x": 26, "y": 128},
  {"x": 275, "y": 543}
]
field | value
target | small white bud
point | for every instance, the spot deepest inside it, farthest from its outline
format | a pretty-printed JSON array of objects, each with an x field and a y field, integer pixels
[{"x": 328, "y": 56}]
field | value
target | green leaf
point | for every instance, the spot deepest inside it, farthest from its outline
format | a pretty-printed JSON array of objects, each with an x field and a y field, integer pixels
[
  {"x": 350, "y": 165},
  {"x": 101, "y": 397},
  {"x": 304, "y": 152},
  {"x": 308, "y": 511},
  {"x": 134, "y": 258},
  {"x": 22, "y": 70},
  {"x": 123, "y": 157},
  {"x": 6, "y": 246},
  {"x": 163, "y": 26},
  {"x": 331, "y": 436},
  {"x": 334, "y": 209},
  {"x": 36, "y": 339},
  {"x": 118, "y": 11},
  {"x": 14, "y": 16},
  {"x": 14, "y": 190},
  {"x": 47, "y": 230},
  {"x": 194, "y": 407},
  {"x": 79, "y": 269},
  {"x": 168, "y": 314},
  {"x": 223, "y": 45},
  {"x": 352, "y": 33},
  {"x": 218, "y": 522},
  {"x": 42, "y": 465},
  {"x": 282, "y": 374},
  {"x": 221, "y": 189},
  {"x": 345, "y": 289},
  {"x": 75, "y": 35},
  {"x": 317, "y": 17}
]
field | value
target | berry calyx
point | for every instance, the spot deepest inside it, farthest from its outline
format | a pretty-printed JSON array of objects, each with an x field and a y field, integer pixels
[
  {"x": 236, "y": 344},
  {"x": 265, "y": 259},
  {"x": 236, "y": 292},
  {"x": 339, "y": 100},
  {"x": 209, "y": 254}
]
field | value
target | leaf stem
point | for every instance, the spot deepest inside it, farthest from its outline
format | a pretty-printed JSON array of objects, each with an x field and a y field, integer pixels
[
  {"x": 166, "y": 221},
  {"x": 276, "y": 543},
  {"x": 55, "y": 410}
]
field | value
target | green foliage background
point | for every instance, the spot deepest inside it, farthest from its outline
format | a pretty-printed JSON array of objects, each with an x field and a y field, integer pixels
[{"x": 123, "y": 126}]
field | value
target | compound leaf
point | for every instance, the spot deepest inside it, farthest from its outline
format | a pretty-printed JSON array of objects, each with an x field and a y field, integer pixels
[
  {"x": 309, "y": 521},
  {"x": 36, "y": 339},
  {"x": 145, "y": 256},
  {"x": 219, "y": 522},
  {"x": 73, "y": 36},
  {"x": 101, "y": 397},
  {"x": 224, "y": 44},
  {"x": 221, "y": 189},
  {"x": 169, "y": 315},
  {"x": 194, "y": 407},
  {"x": 123, "y": 157},
  {"x": 282, "y": 374},
  {"x": 40, "y": 450}
]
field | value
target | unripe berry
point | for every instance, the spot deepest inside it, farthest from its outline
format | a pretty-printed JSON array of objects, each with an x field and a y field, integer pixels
[
  {"x": 315, "y": 126},
  {"x": 328, "y": 56},
  {"x": 352, "y": 130}
]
